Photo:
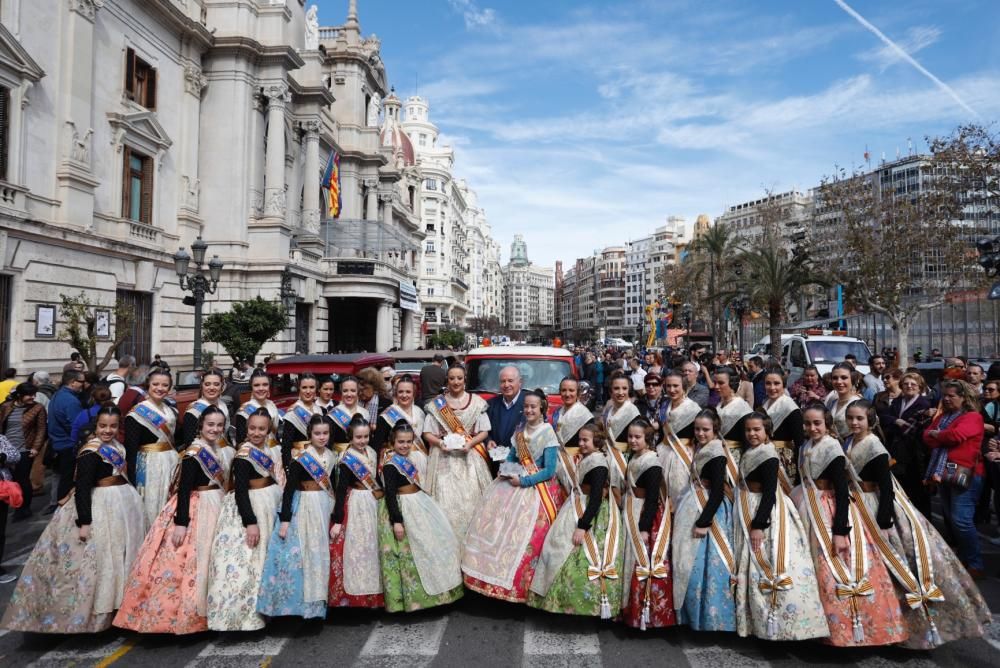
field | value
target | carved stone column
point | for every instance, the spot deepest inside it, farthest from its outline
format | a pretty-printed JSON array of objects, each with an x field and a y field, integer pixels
[
  {"x": 274, "y": 160},
  {"x": 383, "y": 330},
  {"x": 371, "y": 208},
  {"x": 311, "y": 187}
]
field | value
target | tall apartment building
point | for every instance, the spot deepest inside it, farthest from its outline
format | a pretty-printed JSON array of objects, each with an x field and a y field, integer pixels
[
  {"x": 792, "y": 211},
  {"x": 529, "y": 291},
  {"x": 592, "y": 298}
]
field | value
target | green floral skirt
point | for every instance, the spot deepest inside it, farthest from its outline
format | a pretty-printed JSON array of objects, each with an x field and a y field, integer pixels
[
  {"x": 400, "y": 579},
  {"x": 572, "y": 592}
]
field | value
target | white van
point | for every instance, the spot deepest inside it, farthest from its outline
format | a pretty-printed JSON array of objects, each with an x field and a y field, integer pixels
[
  {"x": 822, "y": 348},
  {"x": 761, "y": 347}
]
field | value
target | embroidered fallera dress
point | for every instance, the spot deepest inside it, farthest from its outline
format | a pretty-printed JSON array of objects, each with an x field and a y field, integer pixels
[
  {"x": 584, "y": 579},
  {"x": 457, "y": 480},
  {"x": 507, "y": 533},
  {"x": 236, "y": 568},
  {"x": 72, "y": 587},
  {"x": 238, "y": 427},
  {"x": 950, "y": 605},
  {"x": 339, "y": 418},
  {"x": 857, "y": 594},
  {"x": 567, "y": 423},
  {"x": 296, "y": 574},
  {"x": 151, "y": 455},
  {"x": 355, "y": 575},
  {"x": 167, "y": 590},
  {"x": 616, "y": 421},
  {"x": 675, "y": 453},
  {"x": 732, "y": 415},
  {"x": 786, "y": 422},
  {"x": 648, "y": 600},
  {"x": 295, "y": 431},
  {"x": 423, "y": 570},
  {"x": 776, "y": 593},
  {"x": 704, "y": 569}
]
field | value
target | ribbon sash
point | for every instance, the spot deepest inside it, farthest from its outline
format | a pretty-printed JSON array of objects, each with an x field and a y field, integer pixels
[
  {"x": 719, "y": 539},
  {"x": 210, "y": 465},
  {"x": 528, "y": 462},
  {"x": 315, "y": 470},
  {"x": 648, "y": 565},
  {"x": 109, "y": 453},
  {"x": 299, "y": 416},
  {"x": 773, "y": 580},
  {"x": 394, "y": 414},
  {"x": 454, "y": 425},
  {"x": 850, "y": 585},
  {"x": 359, "y": 468},
  {"x": 260, "y": 459},
  {"x": 341, "y": 417},
  {"x": 155, "y": 421},
  {"x": 406, "y": 467},
  {"x": 600, "y": 565}
]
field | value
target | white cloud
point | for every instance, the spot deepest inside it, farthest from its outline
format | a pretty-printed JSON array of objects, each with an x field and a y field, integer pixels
[
  {"x": 475, "y": 18},
  {"x": 917, "y": 39}
]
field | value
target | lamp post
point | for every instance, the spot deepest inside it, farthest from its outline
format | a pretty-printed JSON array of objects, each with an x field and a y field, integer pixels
[
  {"x": 740, "y": 306},
  {"x": 198, "y": 284}
]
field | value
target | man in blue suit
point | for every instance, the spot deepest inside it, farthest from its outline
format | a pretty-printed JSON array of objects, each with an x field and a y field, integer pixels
[{"x": 505, "y": 410}]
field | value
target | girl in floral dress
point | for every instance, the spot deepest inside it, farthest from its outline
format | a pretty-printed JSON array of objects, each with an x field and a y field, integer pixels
[
  {"x": 167, "y": 589},
  {"x": 297, "y": 567},
  {"x": 355, "y": 576},
  {"x": 508, "y": 530},
  {"x": 586, "y": 539},
  {"x": 923, "y": 565},
  {"x": 776, "y": 593},
  {"x": 209, "y": 394},
  {"x": 619, "y": 412},
  {"x": 295, "y": 423},
  {"x": 244, "y": 530},
  {"x": 74, "y": 579},
  {"x": 420, "y": 557},
  {"x": 260, "y": 392},
  {"x": 704, "y": 564},
  {"x": 842, "y": 548},
  {"x": 648, "y": 599},
  {"x": 149, "y": 445}
]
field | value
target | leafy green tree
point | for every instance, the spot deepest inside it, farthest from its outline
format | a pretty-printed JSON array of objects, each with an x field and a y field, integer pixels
[
  {"x": 708, "y": 264},
  {"x": 80, "y": 328},
  {"x": 245, "y": 329},
  {"x": 449, "y": 338},
  {"x": 775, "y": 279}
]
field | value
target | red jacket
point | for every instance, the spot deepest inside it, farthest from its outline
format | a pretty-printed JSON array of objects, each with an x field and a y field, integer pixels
[{"x": 963, "y": 438}]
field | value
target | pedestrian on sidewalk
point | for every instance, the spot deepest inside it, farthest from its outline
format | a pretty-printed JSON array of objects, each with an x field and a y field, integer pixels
[
  {"x": 8, "y": 383},
  {"x": 63, "y": 409},
  {"x": 22, "y": 421}
]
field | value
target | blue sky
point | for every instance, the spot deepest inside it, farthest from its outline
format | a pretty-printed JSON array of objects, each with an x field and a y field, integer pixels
[{"x": 582, "y": 124}]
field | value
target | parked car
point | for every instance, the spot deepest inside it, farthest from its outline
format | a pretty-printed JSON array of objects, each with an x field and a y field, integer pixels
[
  {"x": 412, "y": 361},
  {"x": 541, "y": 367},
  {"x": 284, "y": 373}
]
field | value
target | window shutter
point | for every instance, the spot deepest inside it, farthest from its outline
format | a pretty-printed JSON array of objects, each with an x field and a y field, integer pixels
[
  {"x": 126, "y": 159},
  {"x": 146, "y": 209},
  {"x": 150, "y": 89},
  {"x": 130, "y": 72},
  {"x": 4, "y": 130}
]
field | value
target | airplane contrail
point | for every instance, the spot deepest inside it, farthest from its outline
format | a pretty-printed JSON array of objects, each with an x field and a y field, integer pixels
[{"x": 948, "y": 90}]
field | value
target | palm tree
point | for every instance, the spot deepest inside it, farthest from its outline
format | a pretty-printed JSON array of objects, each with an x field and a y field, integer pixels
[
  {"x": 709, "y": 255},
  {"x": 774, "y": 278}
]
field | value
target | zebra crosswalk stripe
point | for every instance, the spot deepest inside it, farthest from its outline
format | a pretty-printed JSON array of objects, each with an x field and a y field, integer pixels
[
  {"x": 61, "y": 657},
  {"x": 415, "y": 642}
]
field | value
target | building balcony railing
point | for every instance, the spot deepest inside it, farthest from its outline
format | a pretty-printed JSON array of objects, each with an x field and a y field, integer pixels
[
  {"x": 460, "y": 283},
  {"x": 362, "y": 267}
]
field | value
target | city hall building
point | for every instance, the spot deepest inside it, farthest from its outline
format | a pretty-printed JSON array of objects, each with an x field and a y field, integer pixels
[{"x": 129, "y": 128}]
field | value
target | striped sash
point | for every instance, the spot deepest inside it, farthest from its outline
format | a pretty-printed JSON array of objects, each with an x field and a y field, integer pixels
[
  {"x": 719, "y": 538},
  {"x": 600, "y": 565},
  {"x": 773, "y": 578},
  {"x": 652, "y": 564},
  {"x": 454, "y": 425},
  {"x": 528, "y": 462}
]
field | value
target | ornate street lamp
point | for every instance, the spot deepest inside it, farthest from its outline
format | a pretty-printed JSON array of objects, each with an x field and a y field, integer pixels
[
  {"x": 740, "y": 306},
  {"x": 197, "y": 283}
]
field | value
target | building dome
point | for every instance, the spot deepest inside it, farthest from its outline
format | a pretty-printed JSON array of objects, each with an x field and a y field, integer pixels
[{"x": 392, "y": 135}]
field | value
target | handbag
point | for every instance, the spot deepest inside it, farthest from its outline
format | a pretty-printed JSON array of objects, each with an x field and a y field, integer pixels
[{"x": 957, "y": 476}]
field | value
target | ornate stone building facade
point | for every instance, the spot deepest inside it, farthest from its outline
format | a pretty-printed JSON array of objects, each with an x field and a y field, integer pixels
[
  {"x": 529, "y": 292},
  {"x": 132, "y": 127}
]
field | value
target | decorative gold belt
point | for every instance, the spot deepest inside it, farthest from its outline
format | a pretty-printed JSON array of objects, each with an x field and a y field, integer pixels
[{"x": 156, "y": 447}]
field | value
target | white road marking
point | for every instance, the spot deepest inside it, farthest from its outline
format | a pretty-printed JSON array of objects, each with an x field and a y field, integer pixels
[
  {"x": 388, "y": 642},
  {"x": 993, "y": 633},
  {"x": 721, "y": 657},
  {"x": 542, "y": 642},
  {"x": 231, "y": 650},
  {"x": 60, "y": 657}
]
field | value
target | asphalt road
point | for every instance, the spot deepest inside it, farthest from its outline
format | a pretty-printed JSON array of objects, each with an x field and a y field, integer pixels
[{"x": 473, "y": 632}]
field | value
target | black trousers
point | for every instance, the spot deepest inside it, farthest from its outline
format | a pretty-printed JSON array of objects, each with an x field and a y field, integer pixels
[
  {"x": 22, "y": 476},
  {"x": 65, "y": 462}
]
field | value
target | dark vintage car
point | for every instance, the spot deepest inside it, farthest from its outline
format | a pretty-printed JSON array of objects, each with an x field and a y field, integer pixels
[
  {"x": 284, "y": 373},
  {"x": 541, "y": 367}
]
